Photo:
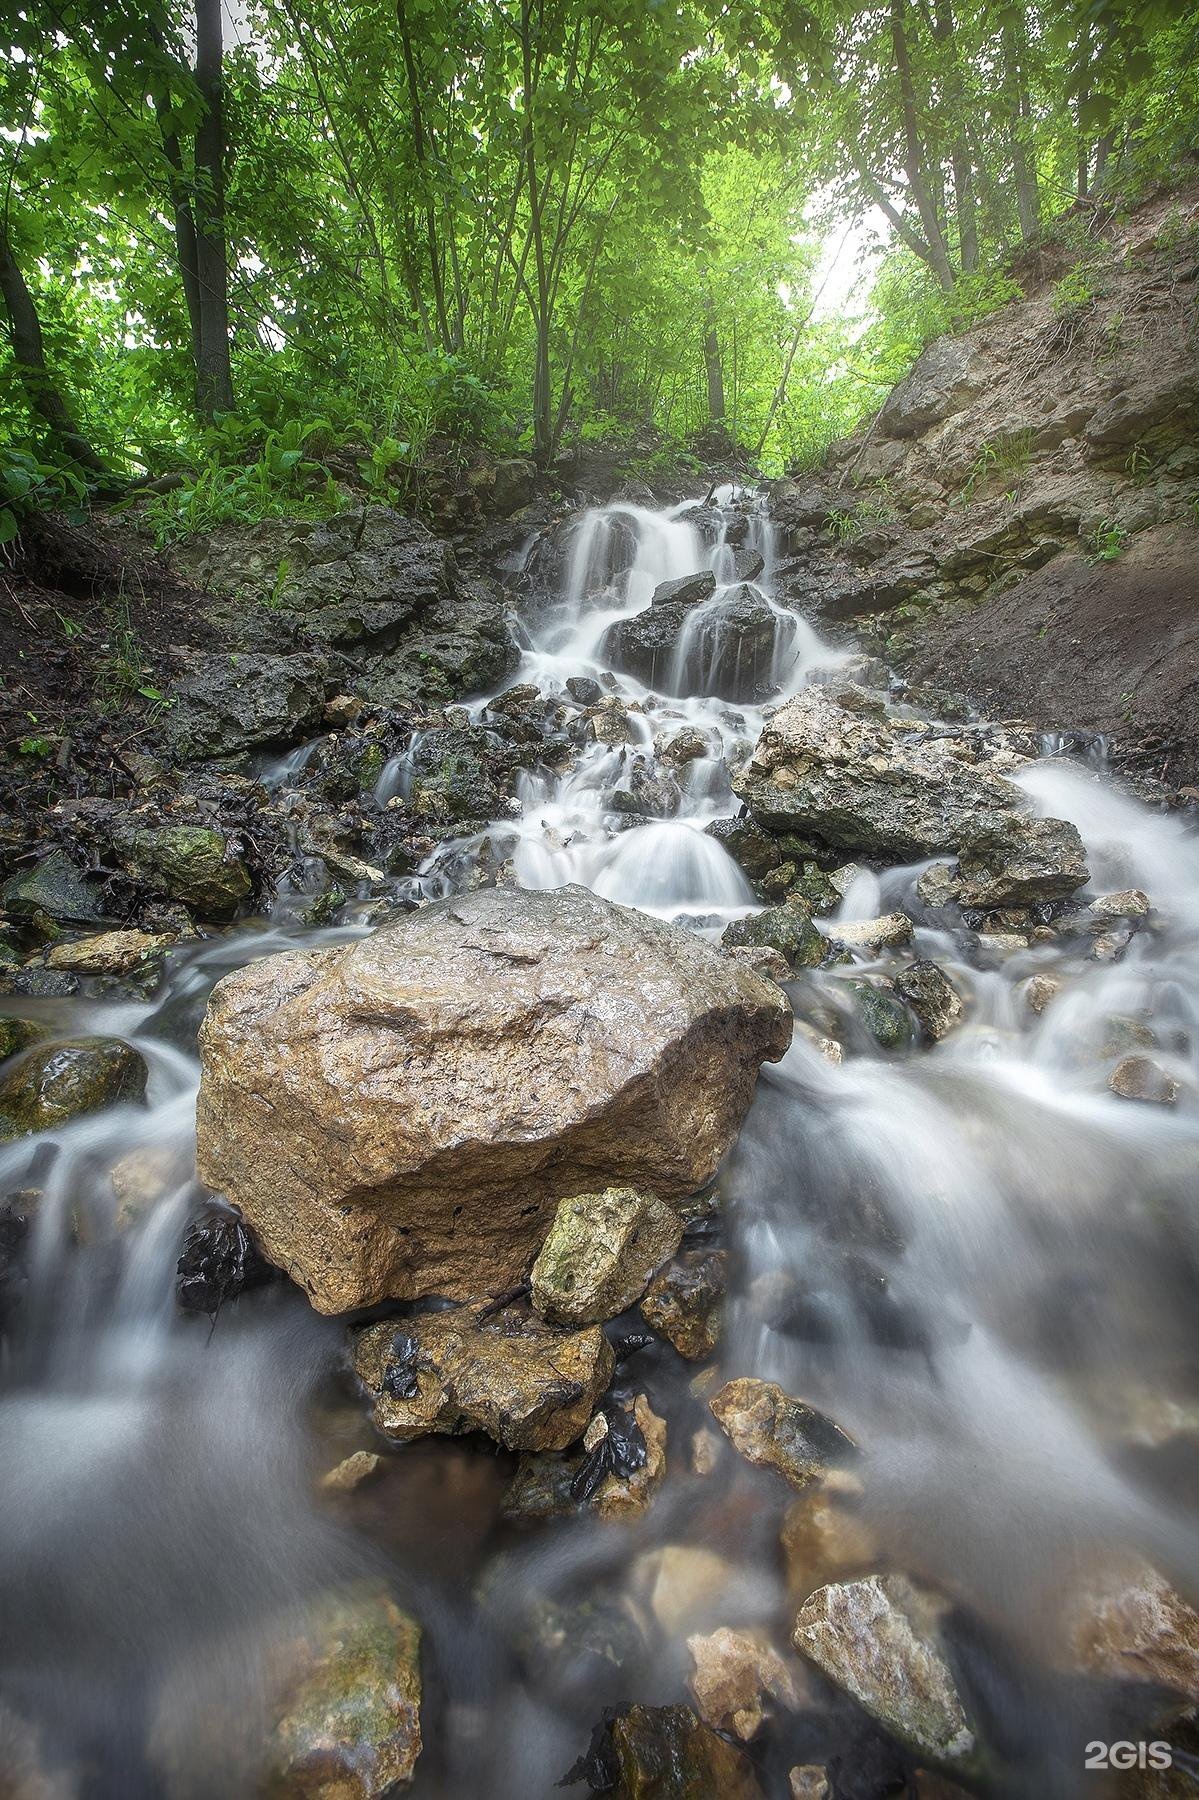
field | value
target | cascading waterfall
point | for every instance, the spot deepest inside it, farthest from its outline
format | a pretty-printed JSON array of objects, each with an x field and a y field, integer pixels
[{"x": 974, "y": 1257}]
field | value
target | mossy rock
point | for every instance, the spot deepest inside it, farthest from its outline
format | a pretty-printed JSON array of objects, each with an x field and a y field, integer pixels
[
  {"x": 787, "y": 929},
  {"x": 889, "y": 1022},
  {"x": 600, "y": 1253},
  {"x": 17, "y": 1035},
  {"x": 189, "y": 863},
  {"x": 54, "y": 1083},
  {"x": 54, "y": 890}
]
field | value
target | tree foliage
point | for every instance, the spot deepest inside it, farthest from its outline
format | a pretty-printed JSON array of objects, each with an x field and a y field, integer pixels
[{"x": 518, "y": 222}]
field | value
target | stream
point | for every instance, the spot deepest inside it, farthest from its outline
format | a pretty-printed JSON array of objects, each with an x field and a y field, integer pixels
[{"x": 974, "y": 1257}]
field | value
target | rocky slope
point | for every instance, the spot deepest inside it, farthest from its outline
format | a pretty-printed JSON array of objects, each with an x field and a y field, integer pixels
[{"x": 1020, "y": 520}]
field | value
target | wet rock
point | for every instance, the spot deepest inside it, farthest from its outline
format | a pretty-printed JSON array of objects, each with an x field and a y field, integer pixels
[
  {"x": 610, "y": 723},
  {"x": 832, "y": 764},
  {"x": 1124, "y": 1622},
  {"x": 933, "y": 998},
  {"x": 879, "y": 1640},
  {"x": 513, "y": 485},
  {"x": 524, "y": 1383},
  {"x": 663, "y": 1753},
  {"x": 583, "y": 689},
  {"x": 615, "y": 1474},
  {"x": 882, "y": 1014},
  {"x": 685, "y": 1303},
  {"x": 681, "y": 1584},
  {"x": 17, "y": 1035},
  {"x": 435, "y": 1088},
  {"x": 36, "y": 983},
  {"x": 733, "y": 637},
  {"x": 346, "y": 1703},
  {"x": 351, "y": 1472},
  {"x": 143, "y": 1177},
  {"x": 787, "y": 929},
  {"x": 687, "y": 590},
  {"x": 573, "y": 1647},
  {"x": 459, "y": 773},
  {"x": 747, "y": 565},
  {"x": 770, "y": 964},
  {"x": 890, "y": 932},
  {"x": 705, "y": 1451},
  {"x": 600, "y": 1253},
  {"x": 824, "y": 1536},
  {"x": 684, "y": 747},
  {"x": 1140, "y": 1078},
  {"x": 756, "y": 851},
  {"x": 54, "y": 888},
  {"x": 773, "y": 1430},
  {"x": 809, "y": 1782},
  {"x": 111, "y": 953},
  {"x": 224, "y": 704},
  {"x": 1020, "y": 861},
  {"x": 53, "y": 1083},
  {"x": 736, "y": 1677},
  {"x": 219, "y": 1260},
  {"x": 188, "y": 863}
]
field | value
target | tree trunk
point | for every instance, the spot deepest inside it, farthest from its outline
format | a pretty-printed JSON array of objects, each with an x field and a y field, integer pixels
[
  {"x": 25, "y": 334},
  {"x": 961, "y": 161},
  {"x": 713, "y": 364},
  {"x": 214, "y": 378},
  {"x": 1028, "y": 200},
  {"x": 543, "y": 421},
  {"x": 919, "y": 186}
]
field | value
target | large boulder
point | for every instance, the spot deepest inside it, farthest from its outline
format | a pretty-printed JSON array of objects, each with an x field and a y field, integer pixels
[
  {"x": 945, "y": 379},
  {"x": 52, "y": 889},
  {"x": 189, "y": 863},
  {"x": 729, "y": 646},
  {"x": 400, "y": 1116},
  {"x": 834, "y": 765}
]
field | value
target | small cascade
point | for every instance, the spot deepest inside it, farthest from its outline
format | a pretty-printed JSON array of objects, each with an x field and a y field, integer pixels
[{"x": 731, "y": 654}]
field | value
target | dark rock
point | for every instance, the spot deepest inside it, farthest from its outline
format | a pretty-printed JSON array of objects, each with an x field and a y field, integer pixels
[
  {"x": 513, "y": 486},
  {"x": 747, "y": 565},
  {"x": 219, "y": 1260},
  {"x": 584, "y": 690},
  {"x": 229, "y": 703},
  {"x": 33, "y": 982},
  {"x": 685, "y": 1303},
  {"x": 757, "y": 851},
  {"x": 688, "y": 590},
  {"x": 882, "y": 1014},
  {"x": 56, "y": 1082},
  {"x": 663, "y": 1753},
  {"x": 787, "y": 929},
  {"x": 18, "y": 1034},
  {"x": 55, "y": 888},
  {"x": 932, "y": 997}
]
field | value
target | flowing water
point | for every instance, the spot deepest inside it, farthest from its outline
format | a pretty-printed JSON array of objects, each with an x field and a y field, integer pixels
[{"x": 975, "y": 1257}]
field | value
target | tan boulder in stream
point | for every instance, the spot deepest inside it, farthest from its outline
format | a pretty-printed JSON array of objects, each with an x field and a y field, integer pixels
[{"x": 400, "y": 1116}]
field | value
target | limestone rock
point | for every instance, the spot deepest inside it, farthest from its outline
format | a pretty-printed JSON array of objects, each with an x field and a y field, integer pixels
[
  {"x": 348, "y": 1703},
  {"x": 1140, "y": 1078},
  {"x": 431, "y": 1091},
  {"x": 773, "y": 1430},
  {"x": 881, "y": 1013},
  {"x": 188, "y": 863},
  {"x": 666, "y": 1753},
  {"x": 947, "y": 376},
  {"x": 1124, "y": 1622},
  {"x": 224, "y": 704},
  {"x": 809, "y": 1781},
  {"x": 879, "y": 1640},
  {"x": 111, "y": 953},
  {"x": 351, "y": 1472},
  {"x": 56, "y": 1082},
  {"x": 143, "y": 1177},
  {"x": 526, "y": 1384},
  {"x": 890, "y": 932},
  {"x": 824, "y": 1537},
  {"x": 736, "y": 1676},
  {"x": 681, "y": 1584},
  {"x": 787, "y": 929},
  {"x": 932, "y": 996},
  {"x": 1020, "y": 861},
  {"x": 685, "y": 1303},
  {"x": 600, "y": 1253}
]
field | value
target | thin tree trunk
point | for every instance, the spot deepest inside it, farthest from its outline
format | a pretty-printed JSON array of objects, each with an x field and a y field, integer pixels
[
  {"x": 214, "y": 377},
  {"x": 181, "y": 207},
  {"x": 25, "y": 334},
  {"x": 961, "y": 162},
  {"x": 921, "y": 190},
  {"x": 1028, "y": 200},
  {"x": 543, "y": 425}
]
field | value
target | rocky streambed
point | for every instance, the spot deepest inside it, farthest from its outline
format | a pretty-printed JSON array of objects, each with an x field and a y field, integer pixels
[{"x": 683, "y": 1283}]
